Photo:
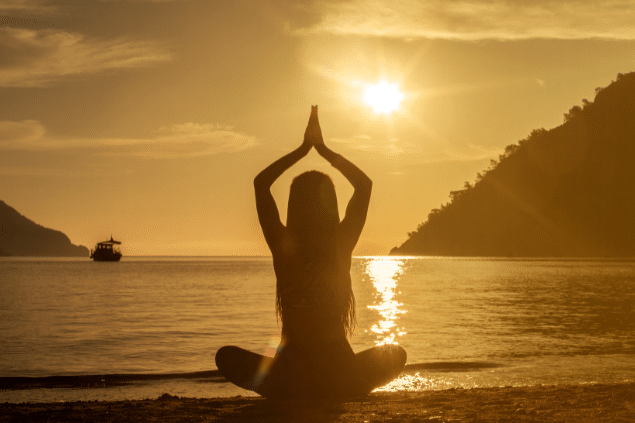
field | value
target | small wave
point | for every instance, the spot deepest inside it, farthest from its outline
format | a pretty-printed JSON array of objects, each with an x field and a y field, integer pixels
[
  {"x": 100, "y": 381},
  {"x": 452, "y": 366}
]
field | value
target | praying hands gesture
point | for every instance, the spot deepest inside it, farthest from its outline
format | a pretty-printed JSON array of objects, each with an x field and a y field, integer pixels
[{"x": 313, "y": 133}]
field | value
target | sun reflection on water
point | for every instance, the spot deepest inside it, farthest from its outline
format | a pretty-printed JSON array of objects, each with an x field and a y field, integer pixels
[
  {"x": 384, "y": 273},
  {"x": 412, "y": 383}
]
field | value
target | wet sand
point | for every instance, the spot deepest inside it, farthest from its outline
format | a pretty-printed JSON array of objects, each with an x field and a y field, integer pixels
[{"x": 560, "y": 403}]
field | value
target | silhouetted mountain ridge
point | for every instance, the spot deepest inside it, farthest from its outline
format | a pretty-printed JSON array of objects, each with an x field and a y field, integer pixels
[
  {"x": 20, "y": 236},
  {"x": 568, "y": 191}
]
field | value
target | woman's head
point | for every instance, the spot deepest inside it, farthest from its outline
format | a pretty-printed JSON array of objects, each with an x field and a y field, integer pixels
[{"x": 312, "y": 203}]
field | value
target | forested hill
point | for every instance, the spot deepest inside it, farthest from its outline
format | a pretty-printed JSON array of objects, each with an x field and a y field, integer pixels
[
  {"x": 569, "y": 191},
  {"x": 20, "y": 236}
]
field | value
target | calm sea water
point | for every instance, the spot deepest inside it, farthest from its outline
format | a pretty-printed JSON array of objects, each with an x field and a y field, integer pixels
[{"x": 464, "y": 322}]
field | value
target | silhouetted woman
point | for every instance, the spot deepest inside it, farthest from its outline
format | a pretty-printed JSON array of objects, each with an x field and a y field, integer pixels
[{"x": 314, "y": 299}]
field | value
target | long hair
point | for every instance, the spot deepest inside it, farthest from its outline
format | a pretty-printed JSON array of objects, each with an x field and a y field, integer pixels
[{"x": 313, "y": 219}]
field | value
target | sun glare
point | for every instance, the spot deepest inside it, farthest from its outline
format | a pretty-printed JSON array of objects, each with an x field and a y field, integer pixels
[{"x": 384, "y": 98}]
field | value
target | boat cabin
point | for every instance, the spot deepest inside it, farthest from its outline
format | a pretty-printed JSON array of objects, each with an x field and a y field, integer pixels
[{"x": 105, "y": 251}]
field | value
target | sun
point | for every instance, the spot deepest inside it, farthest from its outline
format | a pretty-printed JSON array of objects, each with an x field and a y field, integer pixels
[{"x": 384, "y": 98}]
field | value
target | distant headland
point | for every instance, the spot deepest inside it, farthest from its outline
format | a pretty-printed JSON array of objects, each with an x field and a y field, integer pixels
[
  {"x": 568, "y": 191},
  {"x": 20, "y": 236}
]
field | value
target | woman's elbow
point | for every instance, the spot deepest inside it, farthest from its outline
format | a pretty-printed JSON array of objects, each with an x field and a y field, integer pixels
[
  {"x": 367, "y": 184},
  {"x": 259, "y": 181}
]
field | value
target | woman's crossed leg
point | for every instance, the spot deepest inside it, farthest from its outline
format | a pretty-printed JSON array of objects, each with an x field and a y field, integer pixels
[{"x": 328, "y": 372}]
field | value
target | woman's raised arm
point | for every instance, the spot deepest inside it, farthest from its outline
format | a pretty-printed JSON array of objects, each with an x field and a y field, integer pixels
[
  {"x": 268, "y": 214},
  {"x": 353, "y": 222}
]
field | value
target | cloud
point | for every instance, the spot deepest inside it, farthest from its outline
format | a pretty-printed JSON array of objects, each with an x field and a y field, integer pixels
[
  {"x": 18, "y": 22},
  {"x": 34, "y": 58},
  {"x": 194, "y": 139},
  {"x": 468, "y": 153},
  {"x": 26, "y": 5},
  {"x": 46, "y": 6},
  {"x": 477, "y": 19},
  {"x": 413, "y": 153},
  {"x": 182, "y": 140},
  {"x": 385, "y": 147},
  {"x": 14, "y": 133}
]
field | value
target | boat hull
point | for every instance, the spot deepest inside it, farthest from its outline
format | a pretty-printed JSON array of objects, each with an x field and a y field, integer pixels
[{"x": 106, "y": 257}]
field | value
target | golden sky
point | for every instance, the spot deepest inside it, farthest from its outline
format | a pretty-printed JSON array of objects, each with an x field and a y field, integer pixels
[{"x": 148, "y": 120}]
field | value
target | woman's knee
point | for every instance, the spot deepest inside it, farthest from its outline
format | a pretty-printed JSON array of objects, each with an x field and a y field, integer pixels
[
  {"x": 388, "y": 360},
  {"x": 399, "y": 356},
  {"x": 395, "y": 357},
  {"x": 239, "y": 366},
  {"x": 225, "y": 356}
]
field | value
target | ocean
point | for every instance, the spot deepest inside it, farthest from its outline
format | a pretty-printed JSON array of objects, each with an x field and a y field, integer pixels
[{"x": 464, "y": 322}]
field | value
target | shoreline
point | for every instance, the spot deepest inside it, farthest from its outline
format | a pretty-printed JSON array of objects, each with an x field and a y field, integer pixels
[
  {"x": 14, "y": 383},
  {"x": 11, "y": 383},
  {"x": 612, "y": 402}
]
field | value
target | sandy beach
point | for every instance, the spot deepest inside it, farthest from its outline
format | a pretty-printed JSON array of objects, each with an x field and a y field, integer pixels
[{"x": 560, "y": 403}]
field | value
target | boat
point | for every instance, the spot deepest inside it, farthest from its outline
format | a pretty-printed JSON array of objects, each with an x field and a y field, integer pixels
[{"x": 105, "y": 251}]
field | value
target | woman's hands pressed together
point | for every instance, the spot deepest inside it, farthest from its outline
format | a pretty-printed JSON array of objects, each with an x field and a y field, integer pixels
[{"x": 313, "y": 133}]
